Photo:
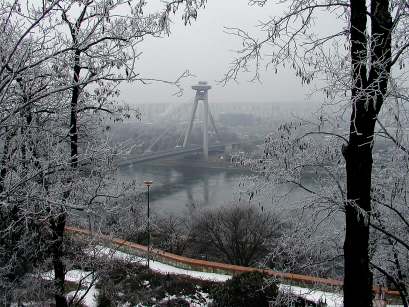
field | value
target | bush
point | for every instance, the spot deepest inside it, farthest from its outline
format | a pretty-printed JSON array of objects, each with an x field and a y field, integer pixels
[
  {"x": 173, "y": 234},
  {"x": 122, "y": 282},
  {"x": 246, "y": 290},
  {"x": 177, "y": 302},
  {"x": 238, "y": 234}
]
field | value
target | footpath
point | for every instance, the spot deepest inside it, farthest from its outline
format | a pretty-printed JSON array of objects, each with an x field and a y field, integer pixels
[{"x": 220, "y": 271}]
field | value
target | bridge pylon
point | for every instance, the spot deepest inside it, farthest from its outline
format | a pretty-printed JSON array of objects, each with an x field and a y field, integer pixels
[{"x": 201, "y": 95}]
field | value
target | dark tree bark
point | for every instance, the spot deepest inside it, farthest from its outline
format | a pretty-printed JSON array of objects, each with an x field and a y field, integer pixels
[
  {"x": 74, "y": 113},
  {"x": 57, "y": 227},
  {"x": 5, "y": 158},
  {"x": 368, "y": 91},
  {"x": 58, "y": 224}
]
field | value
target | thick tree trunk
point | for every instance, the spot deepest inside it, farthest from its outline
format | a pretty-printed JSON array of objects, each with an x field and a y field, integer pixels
[
  {"x": 357, "y": 276},
  {"x": 367, "y": 97}
]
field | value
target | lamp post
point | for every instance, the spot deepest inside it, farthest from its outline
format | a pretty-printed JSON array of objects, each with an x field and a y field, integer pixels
[{"x": 148, "y": 184}]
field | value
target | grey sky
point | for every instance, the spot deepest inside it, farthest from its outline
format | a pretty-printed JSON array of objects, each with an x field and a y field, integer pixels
[{"x": 206, "y": 51}]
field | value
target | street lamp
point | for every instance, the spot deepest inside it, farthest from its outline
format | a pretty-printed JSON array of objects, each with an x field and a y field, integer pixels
[{"x": 148, "y": 184}]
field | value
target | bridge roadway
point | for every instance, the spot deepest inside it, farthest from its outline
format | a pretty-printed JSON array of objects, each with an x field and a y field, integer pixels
[{"x": 167, "y": 154}]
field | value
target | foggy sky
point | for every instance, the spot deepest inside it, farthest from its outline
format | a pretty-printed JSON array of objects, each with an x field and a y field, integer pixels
[{"x": 205, "y": 50}]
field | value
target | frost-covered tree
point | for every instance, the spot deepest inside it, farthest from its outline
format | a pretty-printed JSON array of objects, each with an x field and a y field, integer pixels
[
  {"x": 61, "y": 62},
  {"x": 362, "y": 68}
]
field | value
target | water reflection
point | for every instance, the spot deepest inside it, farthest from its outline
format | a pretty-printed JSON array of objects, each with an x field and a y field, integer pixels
[
  {"x": 180, "y": 189},
  {"x": 177, "y": 186}
]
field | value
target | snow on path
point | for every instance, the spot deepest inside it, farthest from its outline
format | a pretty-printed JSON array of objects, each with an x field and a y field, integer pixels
[
  {"x": 90, "y": 300},
  {"x": 159, "y": 266},
  {"x": 332, "y": 299},
  {"x": 167, "y": 269}
]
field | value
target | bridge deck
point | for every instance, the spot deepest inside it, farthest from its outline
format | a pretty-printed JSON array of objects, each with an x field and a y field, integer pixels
[{"x": 166, "y": 154}]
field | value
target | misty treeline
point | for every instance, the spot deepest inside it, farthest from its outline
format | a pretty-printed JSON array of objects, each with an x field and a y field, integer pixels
[{"x": 61, "y": 62}]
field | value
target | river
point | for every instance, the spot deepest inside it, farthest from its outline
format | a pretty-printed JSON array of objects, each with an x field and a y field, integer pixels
[{"x": 180, "y": 186}]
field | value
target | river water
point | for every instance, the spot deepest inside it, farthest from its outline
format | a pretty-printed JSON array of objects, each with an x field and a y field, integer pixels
[{"x": 179, "y": 187}]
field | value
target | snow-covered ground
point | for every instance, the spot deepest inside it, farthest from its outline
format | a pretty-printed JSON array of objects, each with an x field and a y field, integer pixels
[
  {"x": 73, "y": 275},
  {"x": 332, "y": 299},
  {"x": 197, "y": 300},
  {"x": 158, "y": 266},
  {"x": 90, "y": 299}
]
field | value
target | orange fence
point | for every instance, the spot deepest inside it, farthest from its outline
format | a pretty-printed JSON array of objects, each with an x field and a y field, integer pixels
[{"x": 217, "y": 267}]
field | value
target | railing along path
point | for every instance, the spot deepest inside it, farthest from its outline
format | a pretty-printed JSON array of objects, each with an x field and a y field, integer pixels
[{"x": 217, "y": 267}]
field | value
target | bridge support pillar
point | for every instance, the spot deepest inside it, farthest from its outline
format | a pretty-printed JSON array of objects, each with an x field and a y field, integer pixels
[
  {"x": 205, "y": 130},
  {"x": 188, "y": 133},
  {"x": 201, "y": 95}
]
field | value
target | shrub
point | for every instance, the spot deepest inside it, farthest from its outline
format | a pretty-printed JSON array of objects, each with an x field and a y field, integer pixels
[
  {"x": 244, "y": 290},
  {"x": 177, "y": 302},
  {"x": 238, "y": 234},
  {"x": 122, "y": 282},
  {"x": 173, "y": 234}
]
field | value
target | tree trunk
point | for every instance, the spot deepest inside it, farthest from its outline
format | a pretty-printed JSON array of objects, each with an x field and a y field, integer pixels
[
  {"x": 57, "y": 226},
  {"x": 357, "y": 276},
  {"x": 74, "y": 113},
  {"x": 367, "y": 97},
  {"x": 4, "y": 168}
]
